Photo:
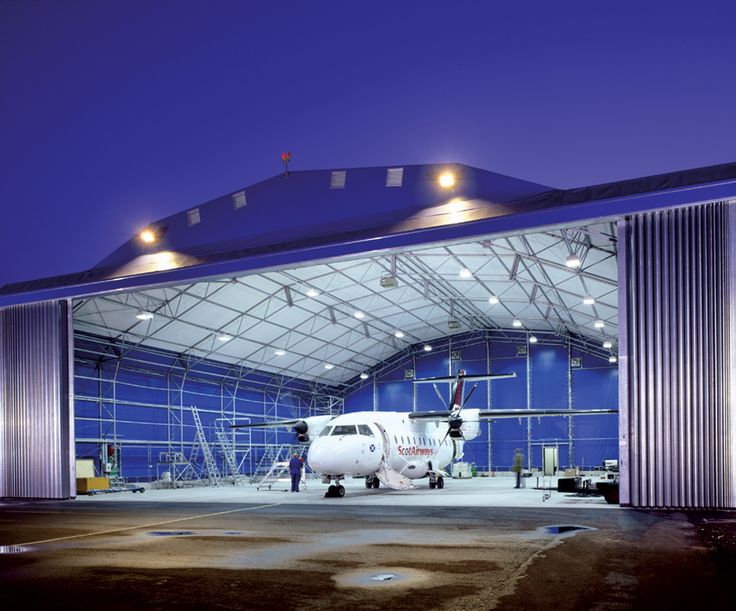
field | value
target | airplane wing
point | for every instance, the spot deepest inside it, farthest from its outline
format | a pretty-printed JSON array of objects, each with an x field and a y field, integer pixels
[
  {"x": 492, "y": 414},
  {"x": 468, "y": 378},
  {"x": 275, "y": 423}
]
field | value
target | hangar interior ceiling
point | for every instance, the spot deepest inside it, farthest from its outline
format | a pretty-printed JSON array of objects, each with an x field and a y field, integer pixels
[{"x": 328, "y": 322}]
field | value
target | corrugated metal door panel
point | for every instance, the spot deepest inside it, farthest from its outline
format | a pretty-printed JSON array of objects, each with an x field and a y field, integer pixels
[
  {"x": 676, "y": 412},
  {"x": 36, "y": 427}
]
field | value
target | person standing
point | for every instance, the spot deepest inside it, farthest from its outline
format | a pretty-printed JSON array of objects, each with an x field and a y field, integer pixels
[
  {"x": 295, "y": 469},
  {"x": 518, "y": 466}
]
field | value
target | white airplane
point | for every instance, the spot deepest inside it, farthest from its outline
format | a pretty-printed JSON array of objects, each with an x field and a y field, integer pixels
[{"x": 395, "y": 448}]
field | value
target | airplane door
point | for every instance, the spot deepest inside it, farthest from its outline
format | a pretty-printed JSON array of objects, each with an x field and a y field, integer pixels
[{"x": 386, "y": 442}]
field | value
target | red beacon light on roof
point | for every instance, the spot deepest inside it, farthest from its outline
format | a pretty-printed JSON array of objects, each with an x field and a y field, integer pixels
[{"x": 285, "y": 159}]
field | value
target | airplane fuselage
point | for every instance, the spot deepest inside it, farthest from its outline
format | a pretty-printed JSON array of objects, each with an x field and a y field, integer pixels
[{"x": 360, "y": 443}]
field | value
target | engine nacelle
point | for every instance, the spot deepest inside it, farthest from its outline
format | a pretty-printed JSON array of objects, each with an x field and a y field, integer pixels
[
  {"x": 470, "y": 424},
  {"x": 310, "y": 426}
]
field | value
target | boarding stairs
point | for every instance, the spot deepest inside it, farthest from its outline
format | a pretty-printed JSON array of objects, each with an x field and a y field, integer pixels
[
  {"x": 210, "y": 465},
  {"x": 388, "y": 476}
]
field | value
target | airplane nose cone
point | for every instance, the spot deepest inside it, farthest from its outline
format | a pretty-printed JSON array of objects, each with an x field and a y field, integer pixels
[{"x": 343, "y": 455}]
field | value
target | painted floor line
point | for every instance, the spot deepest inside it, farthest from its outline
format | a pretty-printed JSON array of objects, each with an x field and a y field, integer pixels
[{"x": 118, "y": 530}]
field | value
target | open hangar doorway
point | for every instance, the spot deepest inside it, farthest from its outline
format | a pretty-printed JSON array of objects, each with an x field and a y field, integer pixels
[{"x": 351, "y": 334}]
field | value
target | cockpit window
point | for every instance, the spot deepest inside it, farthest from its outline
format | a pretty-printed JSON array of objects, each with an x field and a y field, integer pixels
[
  {"x": 325, "y": 431},
  {"x": 344, "y": 429},
  {"x": 364, "y": 429}
]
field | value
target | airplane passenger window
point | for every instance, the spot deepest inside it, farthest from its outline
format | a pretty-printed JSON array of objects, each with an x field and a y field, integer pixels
[
  {"x": 344, "y": 429},
  {"x": 364, "y": 429}
]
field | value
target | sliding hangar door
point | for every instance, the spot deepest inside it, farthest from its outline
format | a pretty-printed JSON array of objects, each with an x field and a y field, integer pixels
[{"x": 630, "y": 310}]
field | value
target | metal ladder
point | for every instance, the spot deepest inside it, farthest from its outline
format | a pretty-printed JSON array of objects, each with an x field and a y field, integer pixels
[
  {"x": 228, "y": 450},
  {"x": 209, "y": 460}
]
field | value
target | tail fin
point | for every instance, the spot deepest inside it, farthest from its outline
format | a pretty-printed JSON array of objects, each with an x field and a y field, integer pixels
[{"x": 457, "y": 398}]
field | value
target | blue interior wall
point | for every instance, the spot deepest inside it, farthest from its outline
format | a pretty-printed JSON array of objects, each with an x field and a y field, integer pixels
[
  {"x": 140, "y": 401},
  {"x": 546, "y": 378}
]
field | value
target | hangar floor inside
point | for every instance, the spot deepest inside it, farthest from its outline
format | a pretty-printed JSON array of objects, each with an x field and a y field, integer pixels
[{"x": 477, "y": 544}]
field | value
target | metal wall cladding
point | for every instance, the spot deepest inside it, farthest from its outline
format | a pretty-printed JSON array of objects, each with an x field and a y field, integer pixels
[
  {"x": 676, "y": 412},
  {"x": 36, "y": 430}
]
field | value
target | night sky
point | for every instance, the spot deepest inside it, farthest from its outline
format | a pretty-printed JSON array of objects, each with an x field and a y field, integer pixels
[{"x": 114, "y": 114}]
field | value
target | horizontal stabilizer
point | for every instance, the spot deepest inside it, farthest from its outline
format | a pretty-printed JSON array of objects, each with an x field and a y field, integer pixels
[{"x": 467, "y": 378}]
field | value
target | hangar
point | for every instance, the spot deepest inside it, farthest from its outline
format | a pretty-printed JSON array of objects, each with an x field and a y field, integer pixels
[{"x": 325, "y": 291}]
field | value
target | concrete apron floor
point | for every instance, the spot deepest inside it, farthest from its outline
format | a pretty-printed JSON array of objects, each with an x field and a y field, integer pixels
[{"x": 476, "y": 544}]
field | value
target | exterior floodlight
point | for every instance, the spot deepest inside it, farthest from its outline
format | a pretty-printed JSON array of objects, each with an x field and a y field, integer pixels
[
  {"x": 147, "y": 236},
  {"x": 608, "y": 344},
  {"x": 516, "y": 322},
  {"x": 588, "y": 300},
  {"x": 446, "y": 180},
  {"x": 612, "y": 359},
  {"x": 329, "y": 366},
  {"x": 143, "y": 315},
  {"x": 312, "y": 292},
  {"x": 466, "y": 273},
  {"x": 532, "y": 339},
  {"x": 599, "y": 324},
  {"x": 493, "y": 300},
  {"x": 359, "y": 315},
  {"x": 572, "y": 261},
  {"x": 427, "y": 348},
  {"x": 224, "y": 337},
  {"x": 280, "y": 353},
  {"x": 364, "y": 376},
  {"x": 399, "y": 334}
]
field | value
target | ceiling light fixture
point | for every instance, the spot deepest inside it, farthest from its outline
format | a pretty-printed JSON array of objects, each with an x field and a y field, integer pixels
[
  {"x": 466, "y": 273},
  {"x": 599, "y": 324},
  {"x": 493, "y": 300},
  {"x": 364, "y": 376},
  {"x": 427, "y": 348},
  {"x": 532, "y": 339},
  {"x": 329, "y": 366},
  {"x": 312, "y": 292},
  {"x": 359, "y": 315},
  {"x": 143, "y": 315},
  {"x": 280, "y": 353},
  {"x": 588, "y": 300},
  {"x": 398, "y": 334},
  {"x": 224, "y": 337},
  {"x": 572, "y": 261},
  {"x": 608, "y": 344},
  {"x": 516, "y": 322},
  {"x": 612, "y": 359}
]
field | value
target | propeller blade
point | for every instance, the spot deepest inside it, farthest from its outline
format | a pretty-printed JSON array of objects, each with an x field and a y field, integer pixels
[{"x": 470, "y": 394}]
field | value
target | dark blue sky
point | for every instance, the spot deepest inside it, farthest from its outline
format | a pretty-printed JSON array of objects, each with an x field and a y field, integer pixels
[{"x": 114, "y": 114}]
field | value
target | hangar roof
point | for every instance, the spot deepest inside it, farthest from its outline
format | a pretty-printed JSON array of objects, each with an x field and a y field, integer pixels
[
  {"x": 216, "y": 273},
  {"x": 315, "y": 214}
]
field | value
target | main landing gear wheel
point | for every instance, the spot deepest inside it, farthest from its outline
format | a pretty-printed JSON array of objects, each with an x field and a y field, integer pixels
[
  {"x": 440, "y": 482},
  {"x": 368, "y": 483},
  {"x": 330, "y": 491},
  {"x": 432, "y": 485},
  {"x": 340, "y": 491},
  {"x": 376, "y": 482}
]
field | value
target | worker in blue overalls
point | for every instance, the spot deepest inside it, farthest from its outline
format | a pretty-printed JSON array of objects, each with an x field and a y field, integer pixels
[{"x": 295, "y": 469}]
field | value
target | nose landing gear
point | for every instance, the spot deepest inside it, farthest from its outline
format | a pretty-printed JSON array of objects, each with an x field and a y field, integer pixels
[{"x": 335, "y": 491}]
